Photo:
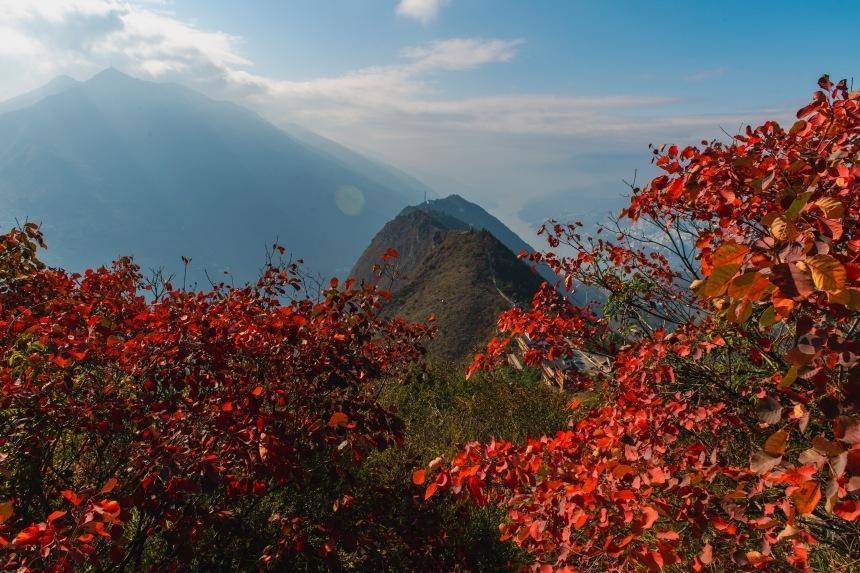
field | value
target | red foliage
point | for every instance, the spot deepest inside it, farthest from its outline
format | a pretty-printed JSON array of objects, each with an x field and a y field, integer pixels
[
  {"x": 127, "y": 417},
  {"x": 666, "y": 470}
]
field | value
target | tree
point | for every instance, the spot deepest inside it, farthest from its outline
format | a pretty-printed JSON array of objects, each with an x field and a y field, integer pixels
[{"x": 727, "y": 431}]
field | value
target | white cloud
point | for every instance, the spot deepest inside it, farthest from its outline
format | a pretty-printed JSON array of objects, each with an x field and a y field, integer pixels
[
  {"x": 424, "y": 11},
  {"x": 461, "y": 53},
  {"x": 82, "y": 36}
]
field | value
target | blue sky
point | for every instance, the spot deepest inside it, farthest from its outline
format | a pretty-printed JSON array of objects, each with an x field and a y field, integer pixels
[
  {"x": 569, "y": 45},
  {"x": 534, "y": 108}
]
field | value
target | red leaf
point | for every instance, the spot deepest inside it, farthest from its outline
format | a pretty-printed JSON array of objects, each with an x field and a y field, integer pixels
[
  {"x": 806, "y": 497},
  {"x": 418, "y": 476},
  {"x": 56, "y": 515},
  {"x": 431, "y": 489},
  {"x": 109, "y": 485},
  {"x": 848, "y": 509}
]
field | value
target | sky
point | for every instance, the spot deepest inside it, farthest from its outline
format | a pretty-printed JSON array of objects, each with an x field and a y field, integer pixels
[{"x": 533, "y": 108}]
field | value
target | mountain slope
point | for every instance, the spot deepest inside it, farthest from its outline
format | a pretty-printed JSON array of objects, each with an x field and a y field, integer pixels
[
  {"x": 55, "y": 86},
  {"x": 413, "y": 234},
  {"x": 476, "y": 216},
  {"x": 372, "y": 169},
  {"x": 462, "y": 275},
  {"x": 465, "y": 282},
  {"x": 117, "y": 166}
]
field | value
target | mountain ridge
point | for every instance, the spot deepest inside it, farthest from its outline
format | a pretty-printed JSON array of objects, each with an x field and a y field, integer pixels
[{"x": 459, "y": 273}]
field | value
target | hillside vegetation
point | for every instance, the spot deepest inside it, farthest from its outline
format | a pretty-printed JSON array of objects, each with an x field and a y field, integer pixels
[{"x": 465, "y": 282}]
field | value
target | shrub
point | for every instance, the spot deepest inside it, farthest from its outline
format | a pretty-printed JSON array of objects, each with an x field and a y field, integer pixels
[
  {"x": 188, "y": 430},
  {"x": 728, "y": 433}
]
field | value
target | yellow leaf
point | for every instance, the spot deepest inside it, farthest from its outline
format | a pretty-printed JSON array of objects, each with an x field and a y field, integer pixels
[
  {"x": 849, "y": 297},
  {"x": 775, "y": 444},
  {"x": 783, "y": 230},
  {"x": 767, "y": 318},
  {"x": 833, "y": 208},
  {"x": 718, "y": 279},
  {"x": 789, "y": 378},
  {"x": 797, "y": 205},
  {"x": 828, "y": 274}
]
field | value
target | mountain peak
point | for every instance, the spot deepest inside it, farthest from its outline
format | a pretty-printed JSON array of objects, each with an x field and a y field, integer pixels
[
  {"x": 112, "y": 75},
  {"x": 112, "y": 72},
  {"x": 465, "y": 280},
  {"x": 453, "y": 268},
  {"x": 61, "y": 82}
]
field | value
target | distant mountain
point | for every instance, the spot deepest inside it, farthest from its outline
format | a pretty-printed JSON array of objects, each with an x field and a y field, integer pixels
[
  {"x": 116, "y": 166},
  {"x": 448, "y": 268},
  {"x": 374, "y": 170},
  {"x": 55, "y": 86}
]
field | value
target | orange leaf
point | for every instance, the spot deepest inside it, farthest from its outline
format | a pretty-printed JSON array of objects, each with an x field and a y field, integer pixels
[
  {"x": 729, "y": 253},
  {"x": 72, "y": 497},
  {"x": 28, "y": 536},
  {"x": 109, "y": 486},
  {"x": 7, "y": 509},
  {"x": 775, "y": 444},
  {"x": 833, "y": 208},
  {"x": 651, "y": 516},
  {"x": 720, "y": 276},
  {"x": 806, "y": 497},
  {"x": 338, "y": 419}
]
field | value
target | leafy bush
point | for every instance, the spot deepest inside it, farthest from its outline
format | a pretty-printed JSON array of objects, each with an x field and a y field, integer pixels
[
  {"x": 727, "y": 435},
  {"x": 187, "y": 430}
]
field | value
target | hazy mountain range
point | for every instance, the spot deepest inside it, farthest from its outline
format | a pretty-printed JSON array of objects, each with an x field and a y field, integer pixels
[{"x": 116, "y": 166}]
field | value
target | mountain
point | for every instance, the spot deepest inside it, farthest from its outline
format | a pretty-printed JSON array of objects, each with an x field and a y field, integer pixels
[
  {"x": 465, "y": 282},
  {"x": 372, "y": 169},
  {"x": 477, "y": 217},
  {"x": 116, "y": 165},
  {"x": 457, "y": 208},
  {"x": 413, "y": 234},
  {"x": 55, "y": 86},
  {"x": 462, "y": 275}
]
